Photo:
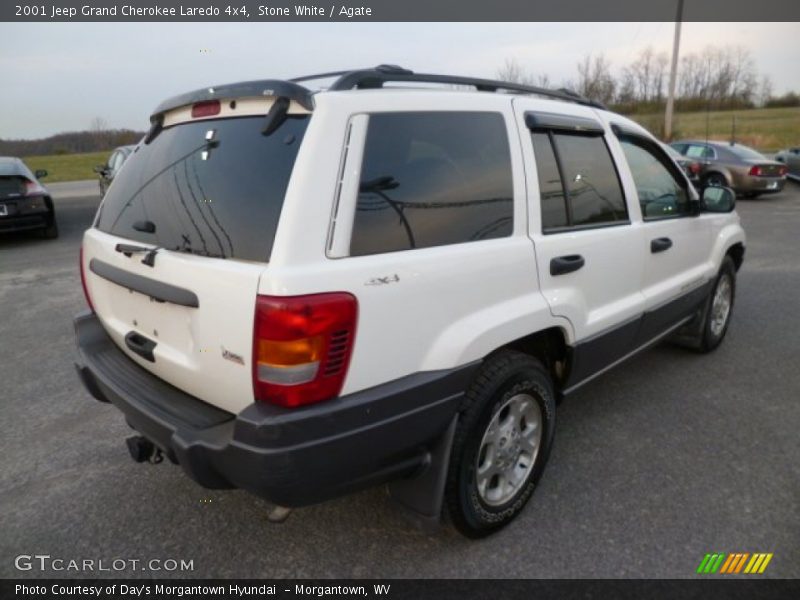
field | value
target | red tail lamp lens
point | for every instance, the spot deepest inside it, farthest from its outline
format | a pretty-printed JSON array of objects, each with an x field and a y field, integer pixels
[{"x": 302, "y": 347}]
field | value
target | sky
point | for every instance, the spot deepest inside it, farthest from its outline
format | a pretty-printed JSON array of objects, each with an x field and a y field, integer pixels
[{"x": 67, "y": 74}]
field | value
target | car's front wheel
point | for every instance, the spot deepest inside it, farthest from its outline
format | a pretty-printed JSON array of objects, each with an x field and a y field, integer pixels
[
  {"x": 719, "y": 307},
  {"x": 501, "y": 443}
]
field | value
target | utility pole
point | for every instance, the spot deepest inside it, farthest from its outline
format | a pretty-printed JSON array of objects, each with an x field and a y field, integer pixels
[{"x": 673, "y": 74}]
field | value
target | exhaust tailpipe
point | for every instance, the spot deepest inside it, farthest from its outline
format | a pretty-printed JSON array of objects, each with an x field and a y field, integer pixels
[{"x": 142, "y": 449}]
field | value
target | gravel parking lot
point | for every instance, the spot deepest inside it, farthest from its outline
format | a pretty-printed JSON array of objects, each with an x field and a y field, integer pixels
[{"x": 658, "y": 462}]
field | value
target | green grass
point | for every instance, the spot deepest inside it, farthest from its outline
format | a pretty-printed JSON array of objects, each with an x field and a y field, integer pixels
[
  {"x": 766, "y": 129},
  {"x": 67, "y": 167}
]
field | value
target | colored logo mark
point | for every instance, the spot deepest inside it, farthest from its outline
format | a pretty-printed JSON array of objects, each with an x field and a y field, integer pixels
[{"x": 735, "y": 562}]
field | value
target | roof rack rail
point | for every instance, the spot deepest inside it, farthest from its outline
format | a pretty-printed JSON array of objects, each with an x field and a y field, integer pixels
[{"x": 377, "y": 76}]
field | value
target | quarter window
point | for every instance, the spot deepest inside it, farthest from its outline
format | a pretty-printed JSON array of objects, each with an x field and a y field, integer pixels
[
  {"x": 432, "y": 178},
  {"x": 660, "y": 193}
]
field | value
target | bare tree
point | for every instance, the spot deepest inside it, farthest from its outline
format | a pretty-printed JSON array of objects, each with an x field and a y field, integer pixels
[
  {"x": 513, "y": 72},
  {"x": 100, "y": 132},
  {"x": 594, "y": 78},
  {"x": 765, "y": 90}
]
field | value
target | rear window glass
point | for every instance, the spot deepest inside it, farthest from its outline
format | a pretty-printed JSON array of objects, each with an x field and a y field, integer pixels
[
  {"x": 219, "y": 198},
  {"x": 433, "y": 178},
  {"x": 745, "y": 152}
]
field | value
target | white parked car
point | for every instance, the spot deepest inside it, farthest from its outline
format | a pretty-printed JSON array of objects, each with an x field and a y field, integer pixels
[{"x": 307, "y": 293}]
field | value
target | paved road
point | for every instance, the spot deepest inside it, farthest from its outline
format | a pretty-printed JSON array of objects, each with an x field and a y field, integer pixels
[{"x": 655, "y": 464}]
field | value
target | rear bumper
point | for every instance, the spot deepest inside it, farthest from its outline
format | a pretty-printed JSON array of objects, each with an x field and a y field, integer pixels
[
  {"x": 25, "y": 222},
  {"x": 760, "y": 185},
  {"x": 292, "y": 457},
  {"x": 24, "y": 213}
]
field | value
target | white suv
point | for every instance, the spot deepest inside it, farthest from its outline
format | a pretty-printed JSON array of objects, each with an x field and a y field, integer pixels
[{"x": 304, "y": 293}]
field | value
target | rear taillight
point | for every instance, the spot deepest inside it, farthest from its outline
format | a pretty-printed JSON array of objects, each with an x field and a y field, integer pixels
[
  {"x": 32, "y": 188},
  {"x": 83, "y": 281},
  {"x": 694, "y": 168},
  {"x": 782, "y": 171},
  {"x": 209, "y": 108},
  {"x": 302, "y": 347},
  {"x": 755, "y": 171}
]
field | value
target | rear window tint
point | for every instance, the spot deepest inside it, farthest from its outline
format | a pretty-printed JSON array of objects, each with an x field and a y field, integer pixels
[
  {"x": 551, "y": 191},
  {"x": 433, "y": 178},
  {"x": 745, "y": 152},
  {"x": 221, "y": 198}
]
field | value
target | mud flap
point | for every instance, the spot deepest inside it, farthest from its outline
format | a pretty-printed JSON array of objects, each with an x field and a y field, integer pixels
[{"x": 421, "y": 497}]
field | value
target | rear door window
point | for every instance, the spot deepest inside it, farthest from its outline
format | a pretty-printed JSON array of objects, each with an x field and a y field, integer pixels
[
  {"x": 431, "y": 179},
  {"x": 220, "y": 197},
  {"x": 577, "y": 170}
]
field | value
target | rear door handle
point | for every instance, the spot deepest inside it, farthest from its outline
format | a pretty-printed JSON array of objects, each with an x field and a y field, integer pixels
[
  {"x": 566, "y": 264},
  {"x": 140, "y": 345},
  {"x": 660, "y": 244}
]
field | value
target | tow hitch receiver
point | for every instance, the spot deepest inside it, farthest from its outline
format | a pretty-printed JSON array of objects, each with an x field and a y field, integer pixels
[{"x": 142, "y": 450}]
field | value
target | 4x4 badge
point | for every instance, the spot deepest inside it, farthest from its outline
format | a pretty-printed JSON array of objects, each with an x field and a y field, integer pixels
[
  {"x": 228, "y": 355},
  {"x": 383, "y": 280}
]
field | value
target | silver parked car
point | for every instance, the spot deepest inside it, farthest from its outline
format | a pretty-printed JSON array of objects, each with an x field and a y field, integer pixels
[
  {"x": 791, "y": 158},
  {"x": 747, "y": 171}
]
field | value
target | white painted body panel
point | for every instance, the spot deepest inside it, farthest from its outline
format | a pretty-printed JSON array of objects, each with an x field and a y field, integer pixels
[{"x": 190, "y": 341}]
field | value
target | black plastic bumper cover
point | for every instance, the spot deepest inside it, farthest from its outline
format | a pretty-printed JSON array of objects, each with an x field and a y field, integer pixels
[{"x": 292, "y": 457}]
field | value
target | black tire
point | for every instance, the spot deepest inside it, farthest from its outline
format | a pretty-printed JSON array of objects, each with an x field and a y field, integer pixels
[
  {"x": 712, "y": 334},
  {"x": 503, "y": 377},
  {"x": 715, "y": 180},
  {"x": 51, "y": 231}
]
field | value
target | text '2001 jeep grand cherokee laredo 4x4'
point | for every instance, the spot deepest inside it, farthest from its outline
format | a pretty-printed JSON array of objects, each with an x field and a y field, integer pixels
[{"x": 303, "y": 294}]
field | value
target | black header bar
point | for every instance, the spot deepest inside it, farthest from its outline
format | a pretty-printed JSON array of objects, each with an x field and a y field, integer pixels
[{"x": 396, "y": 10}]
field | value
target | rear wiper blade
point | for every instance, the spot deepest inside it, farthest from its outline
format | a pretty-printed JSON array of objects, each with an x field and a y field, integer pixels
[{"x": 129, "y": 249}]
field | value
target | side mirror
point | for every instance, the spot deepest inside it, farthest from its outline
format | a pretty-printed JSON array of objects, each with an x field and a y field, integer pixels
[
  {"x": 39, "y": 173},
  {"x": 718, "y": 199},
  {"x": 99, "y": 169}
]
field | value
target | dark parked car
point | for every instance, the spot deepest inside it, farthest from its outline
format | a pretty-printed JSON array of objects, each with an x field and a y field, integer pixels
[
  {"x": 748, "y": 172},
  {"x": 109, "y": 170},
  {"x": 791, "y": 158},
  {"x": 25, "y": 204},
  {"x": 691, "y": 167}
]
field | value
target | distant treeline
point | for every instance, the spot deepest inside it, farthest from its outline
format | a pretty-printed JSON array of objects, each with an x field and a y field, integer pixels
[
  {"x": 71, "y": 142},
  {"x": 715, "y": 78}
]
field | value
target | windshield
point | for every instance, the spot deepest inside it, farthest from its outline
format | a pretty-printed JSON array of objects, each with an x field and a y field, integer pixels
[
  {"x": 211, "y": 187},
  {"x": 745, "y": 152}
]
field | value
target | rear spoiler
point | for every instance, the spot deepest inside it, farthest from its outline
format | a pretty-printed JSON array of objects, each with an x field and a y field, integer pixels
[{"x": 245, "y": 89}]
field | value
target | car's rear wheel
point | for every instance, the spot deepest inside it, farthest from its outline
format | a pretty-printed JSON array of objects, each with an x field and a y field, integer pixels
[
  {"x": 51, "y": 231},
  {"x": 715, "y": 180},
  {"x": 501, "y": 444}
]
